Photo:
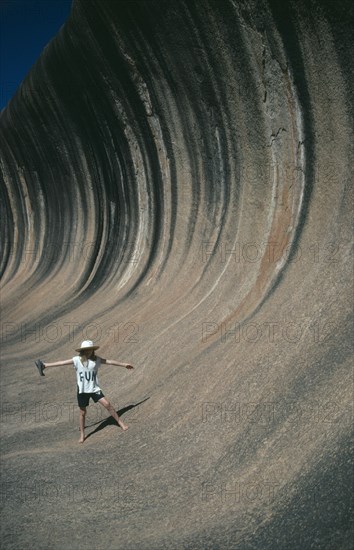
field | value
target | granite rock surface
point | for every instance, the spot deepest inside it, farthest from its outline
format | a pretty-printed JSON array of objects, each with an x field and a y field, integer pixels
[{"x": 176, "y": 185}]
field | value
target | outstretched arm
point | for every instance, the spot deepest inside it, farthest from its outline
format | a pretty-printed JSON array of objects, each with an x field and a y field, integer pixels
[
  {"x": 58, "y": 363},
  {"x": 116, "y": 363}
]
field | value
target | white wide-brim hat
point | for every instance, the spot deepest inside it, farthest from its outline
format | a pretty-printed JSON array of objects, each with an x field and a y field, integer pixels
[{"x": 87, "y": 344}]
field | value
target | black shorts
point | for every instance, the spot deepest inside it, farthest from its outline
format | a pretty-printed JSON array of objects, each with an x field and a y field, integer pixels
[{"x": 84, "y": 398}]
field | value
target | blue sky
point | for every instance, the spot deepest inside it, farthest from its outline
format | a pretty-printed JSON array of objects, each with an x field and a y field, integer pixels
[{"x": 26, "y": 26}]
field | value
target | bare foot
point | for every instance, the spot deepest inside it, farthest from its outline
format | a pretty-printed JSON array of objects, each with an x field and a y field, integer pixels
[
  {"x": 82, "y": 439},
  {"x": 123, "y": 426}
]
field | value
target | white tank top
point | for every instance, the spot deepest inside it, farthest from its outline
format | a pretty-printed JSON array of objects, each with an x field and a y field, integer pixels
[{"x": 86, "y": 374}]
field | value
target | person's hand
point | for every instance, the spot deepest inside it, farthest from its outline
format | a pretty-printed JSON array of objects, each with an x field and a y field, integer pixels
[{"x": 129, "y": 367}]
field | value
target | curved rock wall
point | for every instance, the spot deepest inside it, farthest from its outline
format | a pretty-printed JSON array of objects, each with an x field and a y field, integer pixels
[{"x": 176, "y": 186}]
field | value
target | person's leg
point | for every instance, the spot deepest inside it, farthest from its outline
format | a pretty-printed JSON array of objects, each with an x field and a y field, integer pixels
[
  {"x": 82, "y": 424},
  {"x": 106, "y": 404}
]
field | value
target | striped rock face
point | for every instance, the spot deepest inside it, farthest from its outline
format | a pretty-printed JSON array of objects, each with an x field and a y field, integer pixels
[{"x": 176, "y": 186}]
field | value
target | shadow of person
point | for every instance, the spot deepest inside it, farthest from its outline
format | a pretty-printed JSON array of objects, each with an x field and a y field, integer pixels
[{"x": 110, "y": 421}]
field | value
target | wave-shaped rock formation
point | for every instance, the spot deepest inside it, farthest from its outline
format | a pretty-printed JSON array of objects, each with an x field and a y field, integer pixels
[{"x": 176, "y": 186}]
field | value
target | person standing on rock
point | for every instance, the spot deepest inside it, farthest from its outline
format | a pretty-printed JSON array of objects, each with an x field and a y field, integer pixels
[{"x": 86, "y": 365}]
